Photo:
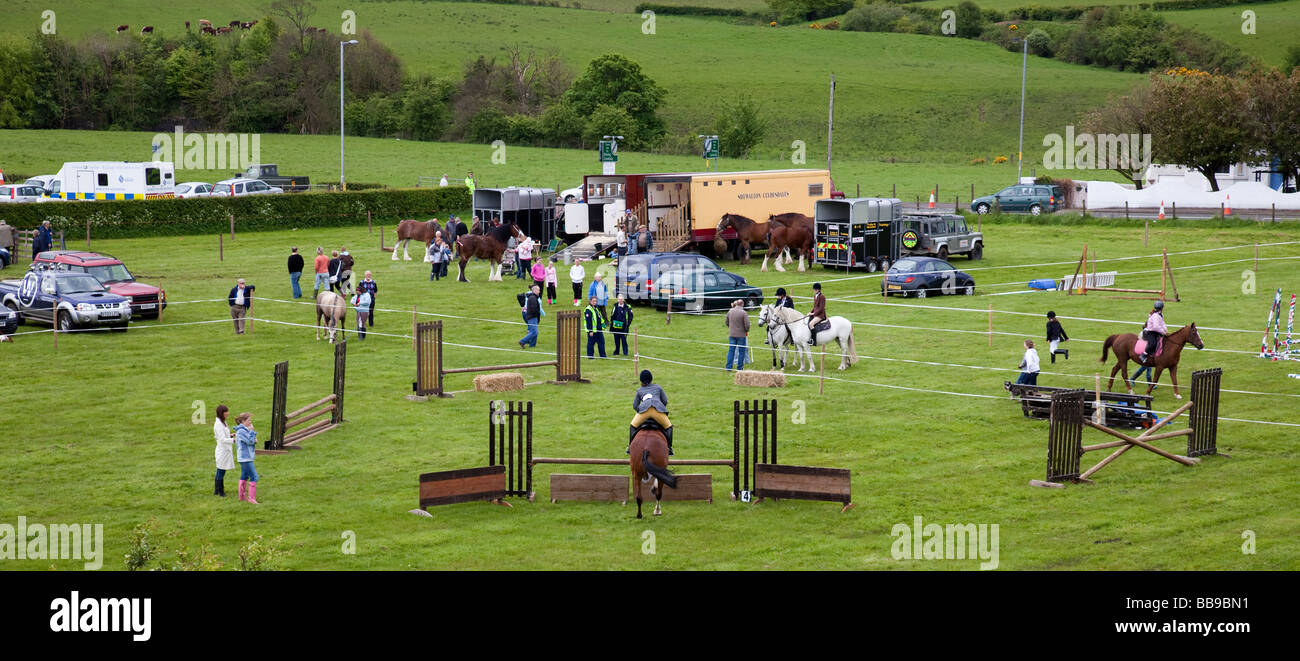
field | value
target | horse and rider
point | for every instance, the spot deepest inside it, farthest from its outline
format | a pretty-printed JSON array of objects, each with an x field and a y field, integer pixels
[
  {"x": 650, "y": 441},
  {"x": 1159, "y": 350},
  {"x": 786, "y": 326}
]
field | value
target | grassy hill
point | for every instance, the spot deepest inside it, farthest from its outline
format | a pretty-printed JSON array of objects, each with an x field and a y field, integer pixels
[
  {"x": 1277, "y": 27},
  {"x": 904, "y": 97}
]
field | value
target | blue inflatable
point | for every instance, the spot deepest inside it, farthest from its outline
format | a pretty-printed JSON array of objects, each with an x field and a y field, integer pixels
[{"x": 1045, "y": 284}]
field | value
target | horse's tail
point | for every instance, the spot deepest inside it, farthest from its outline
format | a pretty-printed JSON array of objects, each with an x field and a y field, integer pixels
[
  {"x": 665, "y": 478},
  {"x": 1105, "y": 348},
  {"x": 851, "y": 348}
]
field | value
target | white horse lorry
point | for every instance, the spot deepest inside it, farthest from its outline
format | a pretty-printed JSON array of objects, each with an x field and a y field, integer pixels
[{"x": 113, "y": 180}]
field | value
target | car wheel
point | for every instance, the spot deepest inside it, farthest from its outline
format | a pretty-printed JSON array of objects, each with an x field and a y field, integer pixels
[
  {"x": 969, "y": 289},
  {"x": 982, "y": 208},
  {"x": 1035, "y": 209},
  {"x": 978, "y": 252},
  {"x": 20, "y": 320},
  {"x": 752, "y": 302},
  {"x": 65, "y": 322},
  {"x": 943, "y": 253},
  {"x": 872, "y": 266},
  {"x": 884, "y": 265},
  {"x": 921, "y": 292}
]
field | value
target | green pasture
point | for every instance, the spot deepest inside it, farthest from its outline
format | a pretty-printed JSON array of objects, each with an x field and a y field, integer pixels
[
  {"x": 899, "y": 97},
  {"x": 1277, "y": 27},
  {"x": 116, "y": 428}
]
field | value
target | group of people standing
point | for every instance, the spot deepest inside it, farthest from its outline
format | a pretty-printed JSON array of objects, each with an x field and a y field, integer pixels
[
  {"x": 333, "y": 273},
  {"x": 442, "y": 248}
]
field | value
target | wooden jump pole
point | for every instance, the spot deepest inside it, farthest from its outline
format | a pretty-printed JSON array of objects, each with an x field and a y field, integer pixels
[{"x": 1098, "y": 411}]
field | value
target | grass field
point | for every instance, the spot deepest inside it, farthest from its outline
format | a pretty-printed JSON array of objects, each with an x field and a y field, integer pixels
[
  {"x": 906, "y": 97},
  {"x": 1277, "y": 27},
  {"x": 108, "y": 433}
]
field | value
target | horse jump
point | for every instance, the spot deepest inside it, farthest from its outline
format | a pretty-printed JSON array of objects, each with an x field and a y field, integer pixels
[
  {"x": 282, "y": 440},
  {"x": 1065, "y": 432},
  {"x": 430, "y": 371}
]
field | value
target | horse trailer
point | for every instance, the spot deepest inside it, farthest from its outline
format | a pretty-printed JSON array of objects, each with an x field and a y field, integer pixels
[
  {"x": 858, "y": 232},
  {"x": 532, "y": 209}
]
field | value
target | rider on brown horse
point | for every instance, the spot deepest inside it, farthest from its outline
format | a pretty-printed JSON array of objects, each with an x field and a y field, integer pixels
[
  {"x": 650, "y": 403},
  {"x": 1153, "y": 331}
]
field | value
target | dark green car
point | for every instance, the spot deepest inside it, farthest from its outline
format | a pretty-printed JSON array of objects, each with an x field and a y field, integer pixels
[
  {"x": 1022, "y": 198},
  {"x": 697, "y": 290}
]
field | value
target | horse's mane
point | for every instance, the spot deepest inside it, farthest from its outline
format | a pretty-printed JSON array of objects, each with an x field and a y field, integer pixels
[
  {"x": 733, "y": 217},
  {"x": 784, "y": 314},
  {"x": 502, "y": 232}
]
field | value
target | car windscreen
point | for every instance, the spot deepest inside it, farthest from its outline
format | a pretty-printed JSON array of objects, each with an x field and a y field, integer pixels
[
  {"x": 904, "y": 266},
  {"x": 110, "y": 273},
  {"x": 79, "y": 284}
]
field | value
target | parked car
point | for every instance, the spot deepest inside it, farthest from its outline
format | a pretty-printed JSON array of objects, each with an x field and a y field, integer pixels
[
  {"x": 922, "y": 276},
  {"x": 269, "y": 174},
  {"x": 697, "y": 290},
  {"x": 72, "y": 300},
  {"x": 20, "y": 193},
  {"x": 638, "y": 273},
  {"x": 147, "y": 301},
  {"x": 939, "y": 235},
  {"x": 8, "y": 321},
  {"x": 1030, "y": 198},
  {"x": 194, "y": 189},
  {"x": 5, "y": 258},
  {"x": 571, "y": 194},
  {"x": 241, "y": 187}
]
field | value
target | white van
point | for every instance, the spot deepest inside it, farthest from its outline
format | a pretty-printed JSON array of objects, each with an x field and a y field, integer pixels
[{"x": 114, "y": 180}]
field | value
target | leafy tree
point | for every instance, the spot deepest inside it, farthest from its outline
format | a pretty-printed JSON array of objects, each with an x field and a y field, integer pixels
[
  {"x": 1275, "y": 109},
  {"x": 488, "y": 125},
  {"x": 614, "y": 80},
  {"x": 793, "y": 11},
  {"x": 873, "y": 17},
  {"x": 562, "y": 126},
  {"x": 609, "y": 120},
  {"x": 970, "y": 20},
  {"x": 1200, "y": 121},
  {"x": 1123, "y": 115},
  {"x": 425, "y": 108},
  {"x": 740, "y": 126}
]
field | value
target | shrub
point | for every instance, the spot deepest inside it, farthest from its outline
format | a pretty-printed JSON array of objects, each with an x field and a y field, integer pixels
[
  {"x": 740, "y": 126},
  {"x": 999, "y": 160},
  {"x": 831, "y": 25},
  {"x": 260, "y": 555},
  {"x": 793, "y": 11},
  {"x": 140, "y": 550},
  {"x": 1040, "y": 43},
  {"x": 979, "y": 161},
  {"x": 487, "y": 125}
]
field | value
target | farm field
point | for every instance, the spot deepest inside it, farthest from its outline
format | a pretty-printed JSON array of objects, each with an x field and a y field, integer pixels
[
  {"x": 905, "y": 97},
  {"x": 922, "y": 420},
  {"x": 1276, "y": 27}
]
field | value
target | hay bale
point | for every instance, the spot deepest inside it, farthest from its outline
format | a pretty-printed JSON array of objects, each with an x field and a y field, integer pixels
[
  {"x": 760, "y": 379},
  {"x": 499, "y": 382}
]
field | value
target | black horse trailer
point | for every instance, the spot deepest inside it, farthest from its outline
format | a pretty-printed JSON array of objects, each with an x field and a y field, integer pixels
[
  {"x": 532, "y": 209},
  {"x": 858, "y": 232}
]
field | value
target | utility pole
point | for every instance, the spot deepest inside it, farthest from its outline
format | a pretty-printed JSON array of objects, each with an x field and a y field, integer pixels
[{"x": 830, "y": 124}]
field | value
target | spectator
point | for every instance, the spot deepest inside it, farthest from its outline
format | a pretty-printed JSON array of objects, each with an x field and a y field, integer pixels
[
  {"x": 241, "y": 303},
  {"x": 454, "y": 228},
  {"x": 737, "y": 330},
  {"x": 345, "y": 277},
  {"x": 335, "y": 268},
  {"x": 443, "y": 182},
  {"x": 620, "y": 322},
  {"x": 645, "y": 242},
  {"x": 470, "y": 184},
  {"x": 539, "y": 273},
  {"x": 621, "y": 241},
  {"x": 600, "y": 292},
  {"x": 246, "y": 438},
  {"x": 361, "y": 301},
  {"x": 439, "y": 255},
  {"x": 576, "y": 275},
  {"x": 44, "y": 239},
  {"x": 322, "y": 265},
  {"x": 633, "y": 235},
  {"x": 1029, "y": 365},
  {"x": 7, "y": 240},
  {"x": 525, "y": 260},
  {"x": 532, "y": 312},
  {"x": 225, "y": 450},
  {"x": 370, "y": 287},
  {"x": 552, "y": 281},
  {"x": 1055, "y": 336},
  {"x": 595, "y": 323},
  {"x": 295, "y": 272}
]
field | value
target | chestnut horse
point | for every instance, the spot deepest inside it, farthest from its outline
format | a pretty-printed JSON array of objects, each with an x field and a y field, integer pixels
[
  {"x": 1124, "y": 346},
  {"x": 414, "y": 229},
  {"x": 783, "y": 238},
  {"x": 747, "y": 230},
  {"x": 793, "y": 219},
  {"x": 489, "y": 245},
  {"x": 648, "y": 461},
  {"x": 333, "y": 309}
]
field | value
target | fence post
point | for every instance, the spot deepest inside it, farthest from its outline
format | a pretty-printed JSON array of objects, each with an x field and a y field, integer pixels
[
  {"x": 956, "y": 204},
  {"x": 893, "y": 190},
  {"x": 1126, "y": 210},
  {"x": 1175, "y": 210},
  {"x": 1274, "y": 205}
]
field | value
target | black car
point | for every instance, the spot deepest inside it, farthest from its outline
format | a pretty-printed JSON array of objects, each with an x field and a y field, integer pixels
[
  {"x": 922, "y": 276},
  {"x": 8, "y": 321},
  {"x": 637, "y": 274}
]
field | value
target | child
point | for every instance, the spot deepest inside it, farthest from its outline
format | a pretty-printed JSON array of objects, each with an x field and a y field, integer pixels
[
  {"x": 1029, "y": 365},
  {"x": 650, "y": 403},
  {"x": 1055, "y": 336},
  {"x": 552, "y": 280},
  {"x": 576, "y": 275},
  {"x": 362, "y": 301},
  {"x": 538, "y": 271},
  {"x": 246, "y": 439}
]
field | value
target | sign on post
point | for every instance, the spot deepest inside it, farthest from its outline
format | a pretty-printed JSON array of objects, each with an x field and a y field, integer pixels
[
  {"x": 711, "y": 148},
  {"x": 608, "y": 151}
]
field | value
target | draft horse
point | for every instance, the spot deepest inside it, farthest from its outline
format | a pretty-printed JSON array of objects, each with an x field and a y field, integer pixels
[
  {"x": 490, "y": 245},
  {"x": 794, "y": 219},
  {"x": 1126, "y": 349},
  {"x": 782, "y": 238},
  {"x": 648, "y": 461},
  {"x": 333, "y": 309},
  {"x": 414, "y": 229},
  {"x": 748, "y": 231}
]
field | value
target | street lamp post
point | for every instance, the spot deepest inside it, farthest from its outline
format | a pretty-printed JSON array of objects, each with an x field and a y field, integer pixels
[
  {"x": 1024, "y": 65},
  {"x": 342, "y": 183}
]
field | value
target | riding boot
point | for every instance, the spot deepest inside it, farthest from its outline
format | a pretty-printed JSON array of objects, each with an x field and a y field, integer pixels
[
  {"x": 1053, "y": 355},
  {"x": 1066, "y": 352},
  {"x": 668, "y": 434},
  {"x": 631, "y": 434}
]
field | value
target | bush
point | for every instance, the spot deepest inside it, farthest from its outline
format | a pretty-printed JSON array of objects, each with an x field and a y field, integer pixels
[
  {"x": 170, "y": 217},
  {"x": 689, "y": 10},
  {"x": 260, "y": 555},
  {"x": 740, "y": 127},
  {"x": 561, "y": 126},
  {"x": 874, "y": 17},
  {"x": 1040, "y": 43},
  {"x": 487, "y": 125},
  {"x": 794, "y": 11},
  {"x": 140, "y": 551}
]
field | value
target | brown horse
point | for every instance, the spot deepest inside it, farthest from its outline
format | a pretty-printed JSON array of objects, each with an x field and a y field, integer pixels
[
  {"x": 489, "y": 245},
  {"x": 783, "y": 238},
  {"x": 333, "y": 310},
  {"x": 747, "y": 230},
  {"x": 649, "y": 461},
  {"x": 793, "y": 219},
  {"x": 1168, "y": 359},
  {"x": 414, "y": 229}
]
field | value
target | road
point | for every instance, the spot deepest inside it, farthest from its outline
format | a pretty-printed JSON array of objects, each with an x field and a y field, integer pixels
[{"x": 1265, "y": 215}]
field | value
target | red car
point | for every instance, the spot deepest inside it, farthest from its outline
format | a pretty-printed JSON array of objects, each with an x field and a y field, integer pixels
[{"x": 147, "y": 301}]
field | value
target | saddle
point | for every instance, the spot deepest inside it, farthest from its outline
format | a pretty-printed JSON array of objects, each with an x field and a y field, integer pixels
[
  {"x": 821, "y": 326},
  {"x": 1141, "y": 348},
  {"x": 651, "y": 424}
]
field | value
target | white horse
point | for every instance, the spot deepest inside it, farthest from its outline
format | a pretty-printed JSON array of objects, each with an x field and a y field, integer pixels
[
  {"x": 789, "y": 325},
  {"x": 779, "y": 336},
  {"x": 334, "y": 310}
]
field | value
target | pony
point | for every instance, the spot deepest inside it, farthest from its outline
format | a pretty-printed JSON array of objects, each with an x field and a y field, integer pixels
[
  {"x": 489, "y": 245},
  {"x": 1125, "y": 347},
  {"x": 793, "y": 219},
  {"x": 334, "y": 310},
  {"x": 789, "y": 325},
  {"x": 747, "y": 230},
  {"x": 648, "y": 461},
  {"x": 780, "y": 238},
  {"x": 414, "y": 229}
]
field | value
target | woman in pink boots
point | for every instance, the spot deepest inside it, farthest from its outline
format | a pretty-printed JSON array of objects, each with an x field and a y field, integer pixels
[{"x": 246, "y": 440}]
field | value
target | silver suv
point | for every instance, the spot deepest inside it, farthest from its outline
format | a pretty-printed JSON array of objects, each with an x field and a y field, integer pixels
[{"x": 939, "y": 235}]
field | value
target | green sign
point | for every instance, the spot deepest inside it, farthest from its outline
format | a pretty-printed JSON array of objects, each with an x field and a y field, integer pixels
[
  {"x": 608, "y": 151},
  {"x": 711, "y": 148}
]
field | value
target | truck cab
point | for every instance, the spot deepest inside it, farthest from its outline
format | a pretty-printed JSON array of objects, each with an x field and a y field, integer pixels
[{"x": 71, "y": 300}]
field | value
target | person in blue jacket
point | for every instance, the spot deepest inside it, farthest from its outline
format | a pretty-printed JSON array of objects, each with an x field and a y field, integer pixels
[{"x": 246, "y": 449}]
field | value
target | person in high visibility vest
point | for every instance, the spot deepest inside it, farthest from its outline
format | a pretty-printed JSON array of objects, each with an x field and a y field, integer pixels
[
  {"x": 595, "y": 323},
  {"x": 469, "y": 182},
  {"x": 650, "y": 403}
]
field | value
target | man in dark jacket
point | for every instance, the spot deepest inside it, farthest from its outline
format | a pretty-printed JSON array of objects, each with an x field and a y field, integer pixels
[
  {"x": 295, "y": 271},
  {"x": 1055, "y": 336},
  {"x": 818, "y": 313},
  {"x": 532, "y": 311},
  {"x": 650, "y": 403},
  {"x": 595, "y": 323},
  {"x": 345, "y": 271},
  {"x": 451, "y": 230},
  {"x": 620, "y": 322},
  {"x": 241, "y": 303},
  {"x": 44, "y": 239},
  {"x": 336, "y": 272}
]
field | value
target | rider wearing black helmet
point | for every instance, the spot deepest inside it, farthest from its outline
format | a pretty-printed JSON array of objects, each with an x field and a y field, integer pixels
[{"x": 1154, "y": 330}]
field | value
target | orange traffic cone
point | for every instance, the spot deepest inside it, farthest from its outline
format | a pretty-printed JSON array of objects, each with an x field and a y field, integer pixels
[
  {"x": 1227, "y": 206},
  {"x": 1162, "y": 211},
  {"x": 931, "y": 199},
  {"x": 2, "y": 176}
]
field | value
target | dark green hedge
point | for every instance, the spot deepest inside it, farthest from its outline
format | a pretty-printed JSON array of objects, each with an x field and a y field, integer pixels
[
  {"x": 254, "y": 213},
  {"x": 688, "y": 10},
  {"x": 1070, "y": 13}
]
